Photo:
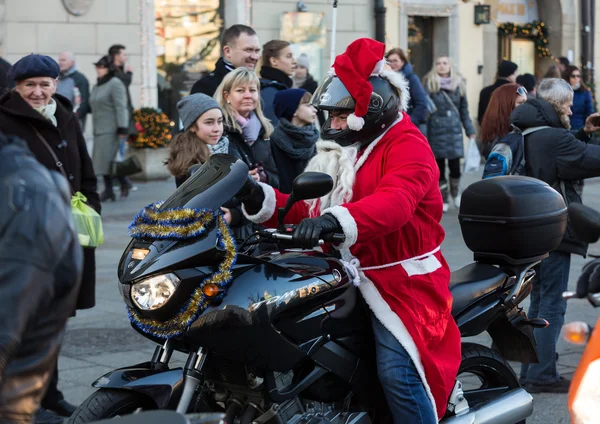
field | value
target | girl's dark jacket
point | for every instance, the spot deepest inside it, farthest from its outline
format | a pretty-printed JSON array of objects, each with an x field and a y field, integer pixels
[
  {"x": 18, "y": 118},
  {"x": 292, "y": 148}
]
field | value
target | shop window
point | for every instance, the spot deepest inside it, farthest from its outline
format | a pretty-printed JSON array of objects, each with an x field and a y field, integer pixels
[
  {"x": 188, "y": 34},
  {"x": 420, "y": 44}
]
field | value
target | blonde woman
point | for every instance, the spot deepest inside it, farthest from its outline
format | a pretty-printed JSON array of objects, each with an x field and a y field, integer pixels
[
  {"x": 246, "y": 128},
  {"x": 447, "y": 89}
]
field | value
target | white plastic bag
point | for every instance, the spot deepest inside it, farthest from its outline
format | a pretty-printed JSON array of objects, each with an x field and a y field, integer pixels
[{"x": 472, "y": 157}]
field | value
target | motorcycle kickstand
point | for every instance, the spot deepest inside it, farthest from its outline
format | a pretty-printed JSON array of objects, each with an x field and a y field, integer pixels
[{"x": 192, "y": 375}]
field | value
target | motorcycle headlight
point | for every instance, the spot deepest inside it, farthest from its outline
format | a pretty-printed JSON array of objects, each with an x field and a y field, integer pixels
[{"x": 153, "y": 293}]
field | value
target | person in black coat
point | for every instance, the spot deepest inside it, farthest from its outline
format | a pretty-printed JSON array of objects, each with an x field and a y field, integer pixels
[
  {"x": 240, "y": 49},
  {"x": 46, "y": 121},
  {"x": 562, "y": 159},
  {"x": 6, "y": 83},
  {"x": 40, "y": 276},
  {"x": 246, "y": 128},
  {"x": 295, "y": 136},
  {"x": 278, "y": 65},
  {"x": 507, "y": 73}
]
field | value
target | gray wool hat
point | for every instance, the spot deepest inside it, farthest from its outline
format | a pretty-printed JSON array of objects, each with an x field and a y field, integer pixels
[{"x": 193, "y": 106}]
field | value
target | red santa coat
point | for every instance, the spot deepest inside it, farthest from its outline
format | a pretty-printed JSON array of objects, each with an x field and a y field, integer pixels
[{"x": 392, "y": 226}]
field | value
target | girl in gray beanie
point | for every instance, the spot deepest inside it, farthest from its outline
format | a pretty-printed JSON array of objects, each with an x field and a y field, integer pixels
[{"x": 203, "y": 127}]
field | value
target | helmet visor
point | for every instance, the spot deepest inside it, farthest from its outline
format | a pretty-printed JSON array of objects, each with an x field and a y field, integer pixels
[{"x": 331, "y": 95}]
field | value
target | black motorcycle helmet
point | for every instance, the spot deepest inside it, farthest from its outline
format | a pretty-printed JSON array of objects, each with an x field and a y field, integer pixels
[{"x": 384, "y": 107}]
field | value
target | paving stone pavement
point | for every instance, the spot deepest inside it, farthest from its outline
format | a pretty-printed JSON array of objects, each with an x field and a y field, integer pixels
[{"x": 100, "y": 339}]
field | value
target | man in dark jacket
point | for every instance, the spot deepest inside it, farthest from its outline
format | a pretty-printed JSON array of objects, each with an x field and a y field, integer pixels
[
  {"x": 68, "y": 70},
  {"x": 47, "y": 123},
  {"x": 6, "y": 83},
  {"x": 240, "y": 48},
  {"x": 561, "y": 159},
  {"x": 39, "y": 277},
  {"x": 507, "y": 73}
]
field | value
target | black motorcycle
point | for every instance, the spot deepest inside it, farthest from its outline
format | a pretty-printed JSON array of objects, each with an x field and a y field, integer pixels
[{"x": 289, "y": 340}]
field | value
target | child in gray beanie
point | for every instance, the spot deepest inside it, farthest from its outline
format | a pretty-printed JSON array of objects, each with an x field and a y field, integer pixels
[{"x": 202, "y": 119}]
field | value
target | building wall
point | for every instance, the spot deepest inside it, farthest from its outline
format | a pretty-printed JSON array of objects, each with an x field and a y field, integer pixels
[
  {"x": 45, "y": 27},
  {"x": 355, "y": 19}
]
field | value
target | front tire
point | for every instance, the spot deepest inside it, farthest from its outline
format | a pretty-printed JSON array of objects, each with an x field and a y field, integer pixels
[{"x": 109, "y": 403}]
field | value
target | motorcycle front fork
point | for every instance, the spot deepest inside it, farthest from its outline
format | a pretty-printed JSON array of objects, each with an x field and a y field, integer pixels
[{"x": 192, "y": 372}]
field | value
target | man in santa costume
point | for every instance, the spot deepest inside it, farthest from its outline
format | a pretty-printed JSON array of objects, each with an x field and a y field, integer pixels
[{"x": 387, "y": 203}]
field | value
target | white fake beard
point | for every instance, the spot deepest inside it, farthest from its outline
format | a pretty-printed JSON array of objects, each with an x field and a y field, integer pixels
[{"x": 337, "y": 162}]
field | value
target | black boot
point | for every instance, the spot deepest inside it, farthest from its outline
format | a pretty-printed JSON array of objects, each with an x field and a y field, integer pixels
[{"x": 108, "y": 193}]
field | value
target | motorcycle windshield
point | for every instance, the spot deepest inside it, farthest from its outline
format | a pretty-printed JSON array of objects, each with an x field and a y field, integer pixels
[{"x": 211, "y": 186}]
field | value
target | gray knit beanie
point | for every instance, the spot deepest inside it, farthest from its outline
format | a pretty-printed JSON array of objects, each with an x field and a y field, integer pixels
[{"x": 193, "y": 106}]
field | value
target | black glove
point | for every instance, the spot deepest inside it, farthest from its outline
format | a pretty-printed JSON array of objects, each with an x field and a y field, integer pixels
[
  {"x": 589, "y": 280},
  {"x": 309, "y": 231},
  {"x": 252, "y": 196}
]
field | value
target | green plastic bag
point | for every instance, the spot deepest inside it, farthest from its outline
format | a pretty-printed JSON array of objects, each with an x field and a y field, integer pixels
[{"x": 87, "y": 222}]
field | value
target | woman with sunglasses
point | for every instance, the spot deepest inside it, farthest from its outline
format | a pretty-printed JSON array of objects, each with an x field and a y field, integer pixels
[
  {"x": 583, "y": 105},
  {"x": 496, "y": 121}
]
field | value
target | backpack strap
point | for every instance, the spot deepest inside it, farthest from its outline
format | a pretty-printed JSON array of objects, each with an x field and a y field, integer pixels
[
  {"x": 521, "y": 167},
  {"x": 534, "y": 129}
]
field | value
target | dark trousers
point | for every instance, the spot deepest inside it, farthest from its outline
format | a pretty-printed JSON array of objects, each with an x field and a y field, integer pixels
[
  {"x": 453, "y": 165},
  {"x": 551, "y": 280},
  {"x": 108, "y": 182}
]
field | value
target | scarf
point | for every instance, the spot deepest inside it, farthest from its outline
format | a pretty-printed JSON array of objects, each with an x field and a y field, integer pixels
[
  {"x": 228, "y": 65},
  {"x": 106, "y": 78},
  {"x": 250, "y": 127},
  {"x": 222, "y": 146},
  {"x": 299, "y": 81},
  {"x": 297, "y": 142},
  {"x": 576, "y": 87},
  {"x": 274, "y": 74},
  {"x": 48, "y": 111},
  {"x": 447, "y": 83}
]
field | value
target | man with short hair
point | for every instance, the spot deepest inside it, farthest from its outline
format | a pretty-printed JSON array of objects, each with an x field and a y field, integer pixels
[
  {"x": 240, "y": 48},
  {"x": 507, "y": 73},
  {"x": 561, "y": 159},
  {"x": 70, "y": 80}
]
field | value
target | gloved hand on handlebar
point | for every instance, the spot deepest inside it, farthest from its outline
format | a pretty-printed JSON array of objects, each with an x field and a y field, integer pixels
[
  {"x": 252, "y": 196},
  {"x": 310, "y": 230},
  {"x": 589, "y": 280}
]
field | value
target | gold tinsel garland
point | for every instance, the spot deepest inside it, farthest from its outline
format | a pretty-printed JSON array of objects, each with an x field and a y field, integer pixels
[{"x": 152, "y": 223}]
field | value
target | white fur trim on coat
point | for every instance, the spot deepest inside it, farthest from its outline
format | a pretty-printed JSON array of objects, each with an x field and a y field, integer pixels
[
  {"x": 393, "y": 323},
  {"x": 347, "y": 223},
  {"x": 401, "y": 83},
  {"x": 355, "y": 123},
  {"x": 268, "y": 207}
]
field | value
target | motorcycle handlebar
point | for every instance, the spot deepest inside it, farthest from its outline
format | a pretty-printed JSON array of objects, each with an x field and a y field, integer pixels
[{"x": 331, "y": 238}]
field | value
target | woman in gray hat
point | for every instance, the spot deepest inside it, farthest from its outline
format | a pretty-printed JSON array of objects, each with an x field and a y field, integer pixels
[{"x": 110, "y": 116}]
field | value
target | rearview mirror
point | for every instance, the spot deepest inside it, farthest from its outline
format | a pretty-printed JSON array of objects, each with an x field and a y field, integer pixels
[
  {"x": 308, "y": 185},
  {"x": 311, "y": 185}
]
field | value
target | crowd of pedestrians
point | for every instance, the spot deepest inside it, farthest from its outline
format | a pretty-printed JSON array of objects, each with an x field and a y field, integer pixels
[{"x": 256, "y": 106}]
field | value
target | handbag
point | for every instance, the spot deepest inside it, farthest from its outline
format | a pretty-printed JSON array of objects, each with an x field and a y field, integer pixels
[
  {"x": 88, "y": 222},
  {"x": 124, "y": 168}
]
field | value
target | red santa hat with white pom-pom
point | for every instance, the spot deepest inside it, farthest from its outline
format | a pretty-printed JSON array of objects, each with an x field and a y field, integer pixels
[{"x": 362, "y": 59}]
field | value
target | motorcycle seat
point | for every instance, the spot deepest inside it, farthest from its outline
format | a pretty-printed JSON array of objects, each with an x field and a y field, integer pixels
[{"x": 472, "y": 282}]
